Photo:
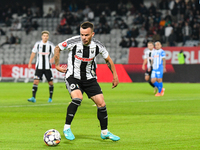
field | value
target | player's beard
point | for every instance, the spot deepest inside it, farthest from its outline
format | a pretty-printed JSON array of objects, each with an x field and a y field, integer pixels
[{"x": 86, "y": 43}]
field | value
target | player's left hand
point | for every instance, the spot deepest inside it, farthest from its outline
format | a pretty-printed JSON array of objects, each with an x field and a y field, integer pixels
[
  {"x": 115, "y": 82},
  {"x": 164, "y": 70}
]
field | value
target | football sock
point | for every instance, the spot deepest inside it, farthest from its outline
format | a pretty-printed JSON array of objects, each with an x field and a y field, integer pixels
[
  {"x": 104, "y": 132},
  {"x": 103, "y": 117},
  {"x": 151, "y": 83},
  {"x": 156, "y": 84},
  {"x": 71, "y": 110},
  {"x": 67, "y": 126},
  {"x": 34, "y": 89},
  {"x": 160, "y": 86},
  {"x": 50, "y": 91}
]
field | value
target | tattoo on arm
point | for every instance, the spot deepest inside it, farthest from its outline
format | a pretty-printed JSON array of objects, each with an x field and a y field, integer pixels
[
  {"x": 57, "y": 55},
  {"x": 109, "y": 66}
]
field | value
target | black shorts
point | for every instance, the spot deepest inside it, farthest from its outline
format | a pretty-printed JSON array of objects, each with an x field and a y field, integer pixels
[
  {"x": 39, "y": 73},
  {"x": 90, "y": 87},
  {"x": 148, "y": 73}
]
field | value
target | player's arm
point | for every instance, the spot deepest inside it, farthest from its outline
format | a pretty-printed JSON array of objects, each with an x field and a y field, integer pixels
[
  {"x": 30, "y": 60},
  {"x": 164, "y": 65},
  {"x": 52, "y": 60},
  {"x": 57, "y": 60},
  {"x": 111, "y": 66},
  {"x": 144, "y": 63}
]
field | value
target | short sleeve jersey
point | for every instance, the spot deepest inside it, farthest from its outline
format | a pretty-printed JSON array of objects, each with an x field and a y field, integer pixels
[
  {"x": 44, "y": 51},
  {"x": 158, "y": 56},
  {"x": 148, "y": 56},
  {"x": 82, "y": 59}
]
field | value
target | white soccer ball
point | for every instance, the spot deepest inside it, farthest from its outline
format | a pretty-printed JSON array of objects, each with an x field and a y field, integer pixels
[{"x": 52, "y": 137}]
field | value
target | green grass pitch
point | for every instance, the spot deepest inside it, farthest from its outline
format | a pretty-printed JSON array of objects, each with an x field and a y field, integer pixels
[{"x": 141, "y": 120}]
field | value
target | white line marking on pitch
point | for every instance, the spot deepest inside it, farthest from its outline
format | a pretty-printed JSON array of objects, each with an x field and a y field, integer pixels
[
  {"x": 141, "y": 101},
  {"x": 34, "y": 105}
]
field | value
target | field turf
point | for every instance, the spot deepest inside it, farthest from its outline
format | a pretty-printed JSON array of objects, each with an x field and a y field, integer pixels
[{"x": 143, "y": 121}]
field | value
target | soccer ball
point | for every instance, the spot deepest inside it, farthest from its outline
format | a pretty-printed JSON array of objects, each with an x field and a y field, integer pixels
[{"x": 52, "y": 137}]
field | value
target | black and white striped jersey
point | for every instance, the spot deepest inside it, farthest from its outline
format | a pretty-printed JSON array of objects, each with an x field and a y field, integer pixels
[
  {"x": 44, "y": 52},
  {"x": 82, "y": 59},
  {"x": 148, "y": 54}
]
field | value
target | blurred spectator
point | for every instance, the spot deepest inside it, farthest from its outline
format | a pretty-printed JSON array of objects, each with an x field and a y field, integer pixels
[
  {"x": 90, "y": 15},
  {"x": 123, "y": 25},
  {"x": 16, "y": 26},
  {"x": 156, "y": 37},
  {"x": 142, "y": 32},
  {"x": 139, "y": 19},
  {"x": 143, "y": 10},
  {"x": 145, "y": 41},
  {"x": 187, "y": 31},
  {"x": 116, "y": 24},
  {"x": 181, "y": 57},
  {"x": 172, "y": 39},
  {"x": 195, "y": 32},
  {"x": 161, "y": 32},
  {"x": 107, "y": 11},
  {"x": 68, "y": 30},
  {"x": 97, "y": 11},
  {"x": 17, "y": 40},
  {"x": 107, "y": 28},
  {"x": 33, "y": 9},
  {"x": 152, "y": 9},
  {"x": 50, "y": 13},
  {"x": 132, "y": 42},
  {"x": 157, "y": 18},
  {"x": 123, "y": 43},
  {"x": 164, "y": 4},
  {"x": 122, "y": 10},
  {"x": 168, "y": 31},
  {"x": 132, "y": 33},
  {"x": 12, "y": 39},
  {"x": 35, "y": 25},
  {"x": 178, "y": 32},
  {"x": 96, "y": 29},
  {"x": 2, "y": 32},
  {"x": 132, "y": 10},
  {"x": 162, "y": 22},
  {"x": 28, "y": 26},
  {"x": 8, "y": 22},
  {"x": 86, "y": 10},
  {"x": 102, "y": 19},
  {"x": 73, "y": 7},
  {"x": 63, "y": 21}
]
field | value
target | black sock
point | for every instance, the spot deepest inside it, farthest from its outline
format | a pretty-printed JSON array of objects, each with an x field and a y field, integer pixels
[
  {"x": 71, "y": 110},
  {"x": 50, "y": 91},
  {"x": 151, "y": 83},
  {"x": 34, "y": 89},
  {"x": 103, "y": 117}
]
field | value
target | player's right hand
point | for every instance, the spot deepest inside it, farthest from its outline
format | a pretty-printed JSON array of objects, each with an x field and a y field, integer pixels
[
  {"x": 143, "y": 67},
  {"x": 62, "y": 69},
  {"x": 29, "y": 66}
]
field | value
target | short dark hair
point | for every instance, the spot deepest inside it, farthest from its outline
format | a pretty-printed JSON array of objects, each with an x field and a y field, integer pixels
[{"x": 87, "y": 24}]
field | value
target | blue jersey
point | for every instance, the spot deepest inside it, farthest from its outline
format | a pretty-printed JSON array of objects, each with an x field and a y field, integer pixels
[{"x": 157, "y": 56}]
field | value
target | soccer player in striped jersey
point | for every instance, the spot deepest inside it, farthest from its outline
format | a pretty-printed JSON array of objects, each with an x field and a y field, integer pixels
[
  {"x": 147, "y": 60},
  {"x": 159, "y": 68},
  {"x": 44, "y": 50},
  {"x": 81, "y": 76}
]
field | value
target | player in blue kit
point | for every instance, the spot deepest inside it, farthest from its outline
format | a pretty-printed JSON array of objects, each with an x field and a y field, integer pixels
[{"x": 158, "y": 64}]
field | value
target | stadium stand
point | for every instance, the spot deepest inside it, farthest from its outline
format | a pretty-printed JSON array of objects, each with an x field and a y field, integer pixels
[{"x": 111, "y": 24}]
